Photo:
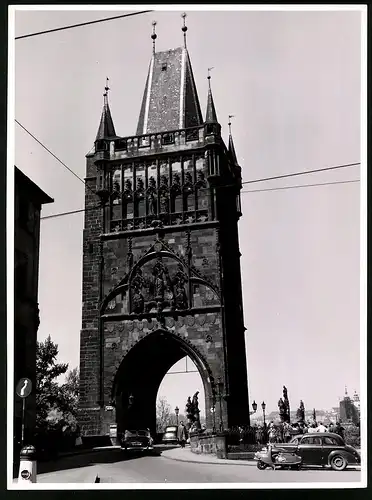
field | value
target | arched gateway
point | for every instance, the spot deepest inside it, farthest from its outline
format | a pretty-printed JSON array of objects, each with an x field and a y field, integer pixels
[{"x": 161, "y": 264}]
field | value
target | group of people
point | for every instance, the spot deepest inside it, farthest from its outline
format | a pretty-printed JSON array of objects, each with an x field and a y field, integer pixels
[{"x": 283, "y": 432}]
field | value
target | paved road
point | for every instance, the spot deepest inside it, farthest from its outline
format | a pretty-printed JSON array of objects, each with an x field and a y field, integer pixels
[{"x": 113, "y": 467}]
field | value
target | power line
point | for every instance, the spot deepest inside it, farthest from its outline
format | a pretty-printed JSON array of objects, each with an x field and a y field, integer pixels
[
  {"x": 69, "y": 213},
  {"x": 243, "y": 192},
  {"x": 301, "y": 186},
  {"x": 302, "y": 173},
  {"x": 293, "y": 174},
  {"x": 56, "y": 157},
  {"x": 82, "y": 24}
]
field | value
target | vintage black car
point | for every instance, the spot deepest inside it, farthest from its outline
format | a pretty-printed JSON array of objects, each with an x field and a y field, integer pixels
[
  {"x": 170, "y": 435},
  {"x": 322, "y": 448},
  {"x": 140, "y": 440}
]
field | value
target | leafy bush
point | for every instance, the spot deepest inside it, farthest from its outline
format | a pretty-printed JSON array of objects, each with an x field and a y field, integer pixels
[{"x": 352, "y": 435}]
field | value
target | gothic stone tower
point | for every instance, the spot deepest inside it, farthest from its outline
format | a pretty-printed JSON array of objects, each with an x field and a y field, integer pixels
[{"x": 161, "y": 261}]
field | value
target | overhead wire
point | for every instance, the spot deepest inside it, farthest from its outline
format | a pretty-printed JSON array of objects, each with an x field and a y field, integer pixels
[
  {"x": 293, "y": 174},
  {"x": 55, "y": 156},
  {"x": 302, "y": 173},
  {"x": 52, "y": 216},
  {"x": 82, "y": 24},
  {"x": 301, "y": 186}
]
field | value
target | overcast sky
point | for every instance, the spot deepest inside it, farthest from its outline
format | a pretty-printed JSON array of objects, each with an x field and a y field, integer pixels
[{"x": 292, "y": 80}]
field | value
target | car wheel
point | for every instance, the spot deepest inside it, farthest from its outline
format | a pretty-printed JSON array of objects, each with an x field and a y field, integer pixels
[
  {"x": 338, "y": 462},
  {"x": 261, "y": 465}
]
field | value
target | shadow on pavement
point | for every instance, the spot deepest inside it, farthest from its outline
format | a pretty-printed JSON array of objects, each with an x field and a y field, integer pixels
[
  {"x": 97, "y": 457},
  {"x": 92, "y": 458}
]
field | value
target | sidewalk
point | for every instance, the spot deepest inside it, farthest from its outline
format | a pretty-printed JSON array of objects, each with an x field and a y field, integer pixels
[{"x": 186, "y": 455}]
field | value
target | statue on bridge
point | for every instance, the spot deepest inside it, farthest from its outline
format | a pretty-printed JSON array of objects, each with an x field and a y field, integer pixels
[
  {"x": 193, "y": 413},
  {"x": 301, "y": 412}
]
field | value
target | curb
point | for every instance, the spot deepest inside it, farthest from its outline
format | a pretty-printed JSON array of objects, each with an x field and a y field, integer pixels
[{"x": 250, "y": 463}]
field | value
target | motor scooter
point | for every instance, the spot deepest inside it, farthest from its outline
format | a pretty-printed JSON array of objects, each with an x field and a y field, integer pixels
[{"x": 273, "y": 457}]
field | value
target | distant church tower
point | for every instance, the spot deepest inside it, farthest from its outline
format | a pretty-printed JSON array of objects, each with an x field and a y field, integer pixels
[{"x": 161, "y": 260}]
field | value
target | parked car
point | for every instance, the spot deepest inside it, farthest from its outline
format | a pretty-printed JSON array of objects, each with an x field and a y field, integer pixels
[
  {"x": 322, "y": 448},
  {"x": 137, "y": 440},
  {"x": 170, "y": 435}
]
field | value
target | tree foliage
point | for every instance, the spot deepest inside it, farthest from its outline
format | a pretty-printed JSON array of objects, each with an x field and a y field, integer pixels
[
  {"x": 54, "y": 402},
  {"x": 163, "y": 414}
]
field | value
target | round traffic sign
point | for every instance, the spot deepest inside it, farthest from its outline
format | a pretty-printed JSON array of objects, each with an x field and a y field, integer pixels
[
  {"x": 25, "y": 474},
  {"x": 24, "y": 387}
]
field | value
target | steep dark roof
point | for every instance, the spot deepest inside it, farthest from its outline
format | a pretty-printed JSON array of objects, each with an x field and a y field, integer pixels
[
  {"x": 170, "y": 100},
  {"x": 31, "y": 190},
  {"x": 106, "y": 127},
  {"x": 210, "y": 115},
  {"x": 232, "y": 150}
]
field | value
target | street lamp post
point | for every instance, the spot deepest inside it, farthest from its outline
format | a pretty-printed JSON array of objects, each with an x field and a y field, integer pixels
[
  {"x": 176, "y": 411},
  {"x": 213, "y": 411},
  {"x": 263, "y": 406},
  {"x": 220, "y": 388},
  {"x": 254, "y": 406}
]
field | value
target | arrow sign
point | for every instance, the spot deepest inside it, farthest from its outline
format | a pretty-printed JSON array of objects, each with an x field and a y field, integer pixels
[{"x": 24, "y": 388}]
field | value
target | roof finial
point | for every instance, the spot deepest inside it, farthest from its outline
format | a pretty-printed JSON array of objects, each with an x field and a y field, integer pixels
[
  {"x": 209, "y": 76},
  {"x": 107, "y": 88},
  {"x": 153, "y": 36},
  {"x": 345, "y": 390},
  {"x": 184, "y": 28},
  {"x": 230, "y": 116}
]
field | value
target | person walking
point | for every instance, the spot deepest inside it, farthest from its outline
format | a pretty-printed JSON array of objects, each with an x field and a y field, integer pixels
[
  {"x": 272, "y": 433},
  {"x": 331, "y": 427},
  {"x": 339, "y": 429},
  {"x": 287, "y": 434},
  {"x": 321, "y": 428},
  {"x": 181, "y": 434}
]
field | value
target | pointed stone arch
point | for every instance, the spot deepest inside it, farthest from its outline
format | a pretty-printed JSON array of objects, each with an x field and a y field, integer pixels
[{"x": 141, "y": 370}]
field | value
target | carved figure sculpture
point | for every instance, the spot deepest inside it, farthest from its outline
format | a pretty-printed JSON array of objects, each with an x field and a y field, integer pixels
[
  {"x": 196, "y": 411},
  {"x": 180, "y": 297},
  {"x": 138, "y": 301},
  {"x": 189, "y": 413},
  {"x": 151, "y": 196}
]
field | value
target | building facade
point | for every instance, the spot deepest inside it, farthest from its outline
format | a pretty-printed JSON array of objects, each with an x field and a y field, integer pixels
[
  {"x": 350, "y": 409},
  {"x": 29, "y": 199},
  {"x": 161, "y": 259}
]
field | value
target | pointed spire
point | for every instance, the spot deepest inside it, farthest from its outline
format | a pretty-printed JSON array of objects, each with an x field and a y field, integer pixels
[
  {"x": 106, "y": 127},
  {"x": 210, "y": 115},
  {"x": 170, "y": 103},
  {"x": 184, "y": 28},
  {"x": 231, "y": 143},
  {"x": 153, "y": 36}
]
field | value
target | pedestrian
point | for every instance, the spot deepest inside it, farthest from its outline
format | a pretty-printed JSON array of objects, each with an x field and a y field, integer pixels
[
  {"x": 339, "y": 429},
  {"x": 287, "y": 434},
  {"x": 181, "y": 434},
  {"x": 331, "y": 427},
  {"x": 312, "y": 427},
  {"x": 321, "y": 428},
  {"x": 272, "y": 433}
]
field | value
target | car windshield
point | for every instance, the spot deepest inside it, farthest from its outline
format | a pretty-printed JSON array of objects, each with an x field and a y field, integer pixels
[
  {"x": 131, "y": 433},
  {"x": 294, "y": 441},
  {"x": 170, "y": 429},
  {"x": 142, "y": 433}
]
